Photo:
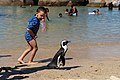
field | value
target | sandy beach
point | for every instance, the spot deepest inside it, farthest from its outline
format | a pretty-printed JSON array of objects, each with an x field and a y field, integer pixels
[{"x": 82, "y": 63}]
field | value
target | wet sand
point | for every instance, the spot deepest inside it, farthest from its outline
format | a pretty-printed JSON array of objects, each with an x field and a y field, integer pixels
[{"x": 83, "y": 62}]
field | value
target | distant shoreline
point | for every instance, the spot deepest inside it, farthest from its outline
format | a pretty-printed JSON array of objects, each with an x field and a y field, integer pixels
[
  {"x": 53, "y": 3},
  {"x": 42, "y": 3}
]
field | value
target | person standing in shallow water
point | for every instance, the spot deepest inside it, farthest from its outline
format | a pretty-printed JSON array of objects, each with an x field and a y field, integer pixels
[
  {"x": 110, "y": 6},
  {"x": 47, "y": 11},
  {"x": 73, "y": 11},
  {"x": 31, "y": 35},
  {"x": 98, "y": 12},
  {"x": 66, "y": 11},
  {"x": 119, "y": 7}
]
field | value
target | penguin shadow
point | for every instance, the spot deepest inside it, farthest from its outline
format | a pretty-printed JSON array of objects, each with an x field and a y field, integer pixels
[
  {"x": 45, "y": 67},
  {"x": 68, "y": 68},
  {"x": 35, "y": 69},
  {"x": 50, "y": 59},
  {"x": 44, "y": 60}
]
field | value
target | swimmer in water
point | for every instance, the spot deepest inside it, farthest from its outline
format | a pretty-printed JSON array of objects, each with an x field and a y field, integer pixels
[
  {"x": 60, "y": 14},
  {"x": 98, "y": 12}
]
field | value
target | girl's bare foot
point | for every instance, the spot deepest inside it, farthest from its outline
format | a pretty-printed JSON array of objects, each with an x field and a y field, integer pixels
[{"x": 20, "y": 61}]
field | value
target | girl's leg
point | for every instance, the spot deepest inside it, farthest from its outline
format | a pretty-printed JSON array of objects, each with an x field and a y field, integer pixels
[
  {"x": 33, "y": 44},
  {"x": 20, "y": 60}
]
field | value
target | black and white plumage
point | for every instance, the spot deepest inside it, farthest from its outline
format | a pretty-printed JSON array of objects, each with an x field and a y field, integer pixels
[{"x": 59, "y": 58}]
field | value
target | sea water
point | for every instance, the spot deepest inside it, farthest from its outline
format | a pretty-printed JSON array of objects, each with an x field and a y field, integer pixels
[{"x": 84, "y": 28}]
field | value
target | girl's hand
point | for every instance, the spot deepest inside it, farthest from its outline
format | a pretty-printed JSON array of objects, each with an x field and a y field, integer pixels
[
  {"x": 44, "y": 29},
  {"x": 35, "y": 37}
]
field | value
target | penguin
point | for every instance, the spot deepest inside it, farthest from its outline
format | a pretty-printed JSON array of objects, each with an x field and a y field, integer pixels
[{"x": 59, "y": 58}]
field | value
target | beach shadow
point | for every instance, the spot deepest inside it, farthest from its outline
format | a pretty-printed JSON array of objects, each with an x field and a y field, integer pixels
[
  {"x": 66, "y": 68},
  {"x": 22, "y": 71},
  {"x": 18, "y": 77},
  {"x": 50, "y": 59},
  {"x": 35, "y": 69},
  {"x": 17, "y": 70},
  {"x": 8, "y": 71},
  {"x": 5, "y": 56},
  {"x": 6, "y": 75},
  {"x": 68, "y": 58},
  {"x": 32, "y": 70},
  {"x": 44, "y": 60},
  {"x": 69, "y": 68}
]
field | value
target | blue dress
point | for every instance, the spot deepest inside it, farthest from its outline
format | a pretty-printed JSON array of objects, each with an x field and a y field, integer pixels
[{"x": 33, "y": 24}]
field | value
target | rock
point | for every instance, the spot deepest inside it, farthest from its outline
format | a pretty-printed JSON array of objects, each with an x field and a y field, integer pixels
[
  {"x": 16, "y": 2},
  {"x": 41, "y": 2},
  {"x": 114, "y": 78},
  {"x": 96, "y": 5},
  {"x": 52, "y": 3}
]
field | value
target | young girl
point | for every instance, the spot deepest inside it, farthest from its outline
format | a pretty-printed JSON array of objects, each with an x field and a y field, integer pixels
[{"x": 31, "y": 35}]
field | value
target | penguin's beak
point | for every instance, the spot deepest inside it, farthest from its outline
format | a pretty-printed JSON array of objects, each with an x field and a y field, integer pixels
[{"x": 68, "y": 41}]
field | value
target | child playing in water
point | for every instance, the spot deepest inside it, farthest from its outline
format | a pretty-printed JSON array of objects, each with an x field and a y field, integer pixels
[
  {"x": 98, "y": 12},
  {"x": 47, "y": 11},
  {"x": 66, "y": 11},
  {"x": 73, "y": 11},
  {"x": 31, "y": 35},
  {"x": 60, "y": 14}
]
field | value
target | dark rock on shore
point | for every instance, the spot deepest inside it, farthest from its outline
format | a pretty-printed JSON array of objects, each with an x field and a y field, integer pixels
[
  {"x": 52, "y": 3},
  {"x": 96, "y": 4},
  {"x": 42, "y": 2},
  {"x": 15, "y": 2}
]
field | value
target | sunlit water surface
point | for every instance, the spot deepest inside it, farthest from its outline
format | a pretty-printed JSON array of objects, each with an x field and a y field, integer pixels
[{"x": 82, "y": 29}]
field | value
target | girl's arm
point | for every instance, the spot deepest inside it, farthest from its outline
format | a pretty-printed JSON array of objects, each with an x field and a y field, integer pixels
[
  {"x": 43, "y": 24},
  {"x": 31, "y": 33}
]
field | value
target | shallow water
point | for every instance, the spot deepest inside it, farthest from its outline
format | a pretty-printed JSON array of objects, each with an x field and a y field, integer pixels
[{"x": 82, "y": 29}]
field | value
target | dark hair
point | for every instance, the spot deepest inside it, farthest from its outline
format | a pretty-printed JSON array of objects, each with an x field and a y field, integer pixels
[
  {"x": 41, "y": 9},
  {"x": 72, "y": 6},
  {"x": 94, "y": 11},
  {"x": 98, "y": 10},
  {"x": 60, "y": 14},
  {"x": 67, "y": 10},
  {"x": 47, "y": 10}
]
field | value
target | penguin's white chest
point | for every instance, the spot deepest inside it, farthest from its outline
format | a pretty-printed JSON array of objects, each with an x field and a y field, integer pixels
[{"x": 65, "y": 48}]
